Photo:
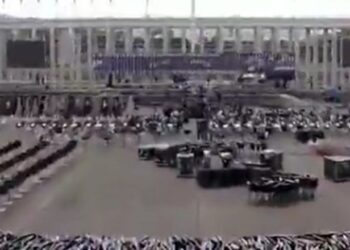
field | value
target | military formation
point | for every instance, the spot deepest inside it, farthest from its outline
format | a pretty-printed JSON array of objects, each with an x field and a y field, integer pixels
[{"x": 325, "y": 241}]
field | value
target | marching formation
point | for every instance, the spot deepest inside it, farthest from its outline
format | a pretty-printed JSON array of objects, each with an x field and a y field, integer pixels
[{"x": 326, "y": 241}]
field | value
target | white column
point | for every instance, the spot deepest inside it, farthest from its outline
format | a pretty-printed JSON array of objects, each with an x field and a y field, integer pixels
[
  {"x": 15, "y": 34},
  {"x": 315, "y": 59},
  {"x": 89, "y": 53},
  {"x": 165, "y": 40},
  {"x": 258, "y": 39},
  {"x": 108, "y": 46},
  {"x": 276, "y": 48},
  {"x": 325, "y": 58},
  {"x": 201, "y": 39},
  {"x": 128, "y": 41},
  {"x": 3, "y": 39},
  {"x": 78, "y": 56},
  {"x": 33, "y": 34},
  {"x": 295, "y": 35},
  {"x": 193, "y": 37},
  {"x": 290, "y": 38},
  {"x": 52, "y": 55},
  {"x": 341, "y": 60},
  {"x": 238, "y": 40},
  {"x": 61, "y": 56},
  {"x": 307, "y": 57},
  {"x": 334, "y": 63},
  {"x": 73, "y": 67},
  {"x": 147, "y": 41},
  {"x": 220, "y": 40},
  {"x": 183, "y": 41}
]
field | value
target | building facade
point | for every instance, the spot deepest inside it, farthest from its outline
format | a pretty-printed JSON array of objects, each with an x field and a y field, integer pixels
[{"x": 319, "y": 45}]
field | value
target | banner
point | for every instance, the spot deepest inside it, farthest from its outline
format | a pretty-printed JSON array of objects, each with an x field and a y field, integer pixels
[{"x": 141, "y": 64}]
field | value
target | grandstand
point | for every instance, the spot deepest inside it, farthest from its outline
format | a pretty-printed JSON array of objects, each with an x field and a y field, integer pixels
[{"x": 64, "y": 52}]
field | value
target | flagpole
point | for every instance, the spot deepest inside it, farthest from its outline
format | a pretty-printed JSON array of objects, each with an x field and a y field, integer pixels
[{"x": 147, "y": 9}]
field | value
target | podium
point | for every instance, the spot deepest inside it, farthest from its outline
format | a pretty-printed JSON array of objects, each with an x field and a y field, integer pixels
[{"x": 185, "y": 163}]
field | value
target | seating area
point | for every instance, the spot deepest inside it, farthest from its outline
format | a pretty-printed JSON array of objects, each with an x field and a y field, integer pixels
[
  {"x": 10, "y": 147},
  {"x": 30, "y": 152}
]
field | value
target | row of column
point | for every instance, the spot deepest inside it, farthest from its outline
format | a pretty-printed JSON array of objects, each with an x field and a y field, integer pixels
[
  {"x": 311, "y": 68},
  {"x": 199, "y": 39},
  {"x": 329, "y": 69}
]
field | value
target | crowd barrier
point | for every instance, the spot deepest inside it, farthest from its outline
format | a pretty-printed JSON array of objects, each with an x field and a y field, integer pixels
[{"x": 325, "y": 241}]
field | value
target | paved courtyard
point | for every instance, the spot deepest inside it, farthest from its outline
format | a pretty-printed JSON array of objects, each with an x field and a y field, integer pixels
[{"x": 107, "y": 190}]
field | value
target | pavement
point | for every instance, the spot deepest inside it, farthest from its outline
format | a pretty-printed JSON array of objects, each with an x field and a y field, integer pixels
[{"x": 107, "y": 190}]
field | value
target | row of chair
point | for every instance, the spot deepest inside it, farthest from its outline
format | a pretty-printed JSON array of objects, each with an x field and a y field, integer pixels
[
  {"x": 12, "y": 145},
  {"x": 30, "y": 152},
  {"x": 19, "y": 177}
]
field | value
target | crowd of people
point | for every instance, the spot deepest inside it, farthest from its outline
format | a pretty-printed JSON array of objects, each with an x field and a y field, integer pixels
[{"x": 325, "y": 241}]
